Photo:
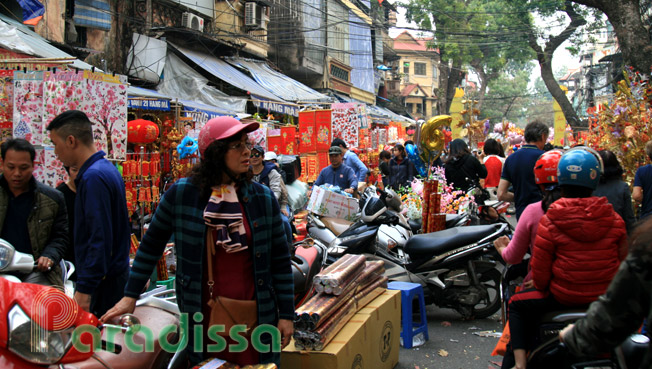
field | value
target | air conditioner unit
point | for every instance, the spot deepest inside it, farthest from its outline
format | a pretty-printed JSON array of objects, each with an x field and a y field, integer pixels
[
  {"x": 192, "y": 21},
  {"x": 255, "y": 16}
]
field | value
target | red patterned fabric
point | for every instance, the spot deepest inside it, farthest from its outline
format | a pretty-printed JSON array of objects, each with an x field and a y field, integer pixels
[{"x": 578, "y": 249}]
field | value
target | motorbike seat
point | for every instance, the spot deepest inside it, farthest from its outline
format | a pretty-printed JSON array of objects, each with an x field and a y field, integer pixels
[
  {"x": 452, "y": 219},
  {"x": 415, "y": 225},
  {"x": 436, "y": 243},
  {"x": 336, "y": 225}
]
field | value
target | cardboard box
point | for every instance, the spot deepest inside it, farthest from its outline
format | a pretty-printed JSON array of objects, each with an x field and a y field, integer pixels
[
  {"x": 331, "y": 204},
  {"x": 370, "y": 340}
]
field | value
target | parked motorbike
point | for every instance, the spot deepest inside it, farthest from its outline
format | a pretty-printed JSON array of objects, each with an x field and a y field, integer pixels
[
  {"x": 327, "y": 229},
  {"x": 308, "y": 259},
  {"x": 458, "y": 267}
]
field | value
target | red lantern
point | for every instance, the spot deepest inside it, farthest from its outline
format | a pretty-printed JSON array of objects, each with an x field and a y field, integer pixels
[{"x": 142, "y": 131}]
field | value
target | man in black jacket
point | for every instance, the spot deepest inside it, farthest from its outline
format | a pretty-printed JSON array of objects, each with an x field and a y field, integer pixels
[{"x": 33, "y": 216}]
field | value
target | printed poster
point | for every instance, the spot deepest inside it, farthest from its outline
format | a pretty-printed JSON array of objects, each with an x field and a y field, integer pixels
[
  {"x": 346, "y": 122},
  {"x": 28, "y": 106}
]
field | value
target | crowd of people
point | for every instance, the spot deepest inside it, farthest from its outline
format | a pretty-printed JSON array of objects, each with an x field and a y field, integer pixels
[{"x": 573, "y": 208}]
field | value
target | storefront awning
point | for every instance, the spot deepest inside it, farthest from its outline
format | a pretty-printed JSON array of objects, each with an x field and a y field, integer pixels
[
  {"x": 19, "y": 38},
  {"x": 278, "y": 83},
  {"x": 227, "y": 73}
]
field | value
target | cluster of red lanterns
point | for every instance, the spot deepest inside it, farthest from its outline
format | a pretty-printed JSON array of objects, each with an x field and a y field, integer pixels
[{"x": 142, "y": 131}]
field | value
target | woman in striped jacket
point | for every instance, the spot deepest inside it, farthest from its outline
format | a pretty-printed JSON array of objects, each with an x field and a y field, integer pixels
[{"x": 219, "y": 211}]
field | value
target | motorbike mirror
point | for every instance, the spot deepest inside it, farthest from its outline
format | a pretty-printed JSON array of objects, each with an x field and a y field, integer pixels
[{"x": 129, "y": 322}]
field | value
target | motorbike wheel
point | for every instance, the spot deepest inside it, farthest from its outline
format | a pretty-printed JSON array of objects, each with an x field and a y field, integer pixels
[{"x": 491, "y": 281}]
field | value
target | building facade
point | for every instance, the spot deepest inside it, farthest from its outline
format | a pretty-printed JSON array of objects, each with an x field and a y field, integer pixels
[{"x": 416, "y": 78}]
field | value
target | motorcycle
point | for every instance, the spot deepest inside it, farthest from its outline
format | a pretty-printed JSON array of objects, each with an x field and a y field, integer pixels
[
  {"x": 41, "y": 324},
  {"x": 308, "y": 259},
  {"x": 25, "y": 306},
  {"x": 551, "y": 353},
  {"x": 458, "y": 267},
  {"x": 327, "y": 229}
]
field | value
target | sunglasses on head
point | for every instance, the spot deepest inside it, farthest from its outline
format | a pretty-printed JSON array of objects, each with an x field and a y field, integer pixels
[{"x": 256, "y": 154}]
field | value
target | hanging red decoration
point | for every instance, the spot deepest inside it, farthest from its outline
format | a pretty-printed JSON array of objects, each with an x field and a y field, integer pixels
[{"x": 142, "y": 131}]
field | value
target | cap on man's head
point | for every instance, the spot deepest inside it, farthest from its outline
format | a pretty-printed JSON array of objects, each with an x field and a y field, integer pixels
[
  {"x": 335, "y": 150},
  {"x": 258, "y": 148},
  {"x": 338, "y": 142},
  {"x": 270, "y": 155}
]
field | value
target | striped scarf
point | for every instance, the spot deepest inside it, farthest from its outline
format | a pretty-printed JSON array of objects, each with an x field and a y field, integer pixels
[{"x": 223, "y": 213}]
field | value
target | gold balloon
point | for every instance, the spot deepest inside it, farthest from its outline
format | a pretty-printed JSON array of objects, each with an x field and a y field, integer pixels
[{"x": 431, "y": 138}]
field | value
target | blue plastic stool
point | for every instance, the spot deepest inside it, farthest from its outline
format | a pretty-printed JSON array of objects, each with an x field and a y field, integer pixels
[{"x": 409, "y": 328}]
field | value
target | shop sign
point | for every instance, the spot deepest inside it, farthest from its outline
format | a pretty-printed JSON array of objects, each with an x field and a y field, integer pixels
[
  {"x": 201, "y": 116},
  {"x": 148, "y": 104},
  {"x": 288, "y": 109}
]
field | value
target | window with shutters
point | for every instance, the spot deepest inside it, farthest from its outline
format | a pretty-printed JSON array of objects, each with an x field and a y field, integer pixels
[{"x": 420, "y": 69}]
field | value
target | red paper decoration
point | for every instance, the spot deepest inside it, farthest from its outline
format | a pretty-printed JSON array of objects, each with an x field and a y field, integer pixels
[
  {"x": 274, "y": 143},
  {"x": 323, "y": 130},
  {"x": 288, "y": 135},
  {"x": 142, "y": 131},
  {"x": 307, "y": 135}
]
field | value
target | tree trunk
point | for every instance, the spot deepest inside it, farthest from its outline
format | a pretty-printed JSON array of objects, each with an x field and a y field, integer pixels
[
  {"x": 449, "y": 80},
  {"x": 120, "y": 36},
  {"x": 544, "y": 56},
  {"x": 633, "y": 37},
  {"x": 484, "y": 81}
]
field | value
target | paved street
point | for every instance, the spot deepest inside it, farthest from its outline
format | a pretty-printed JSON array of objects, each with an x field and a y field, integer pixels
[{"x": 463, "y": 349}]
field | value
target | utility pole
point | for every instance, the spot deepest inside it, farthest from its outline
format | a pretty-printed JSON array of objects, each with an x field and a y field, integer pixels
[{"x": 148, "y": 16}]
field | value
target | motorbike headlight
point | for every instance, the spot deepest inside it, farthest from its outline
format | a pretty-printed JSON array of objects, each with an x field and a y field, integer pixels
[
  {"x": 6, "y": 254},
  {"x": 32, "y": 342}
]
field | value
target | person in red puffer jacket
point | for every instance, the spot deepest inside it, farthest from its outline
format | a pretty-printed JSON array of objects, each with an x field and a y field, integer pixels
[{"x": 579, "y": 245}]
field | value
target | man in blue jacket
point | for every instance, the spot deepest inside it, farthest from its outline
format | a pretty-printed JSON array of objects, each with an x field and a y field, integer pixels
[
  {"x": 101, "y": 218},
  {"x": 338, "y": 173},
  {"x": 350, "y": 159}
]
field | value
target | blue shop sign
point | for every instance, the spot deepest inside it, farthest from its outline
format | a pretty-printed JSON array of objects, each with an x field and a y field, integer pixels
[
  {"x": 149, "y": 104},
  {"x": 202, "y": 116},
  {"x": 288, "y": 109}
]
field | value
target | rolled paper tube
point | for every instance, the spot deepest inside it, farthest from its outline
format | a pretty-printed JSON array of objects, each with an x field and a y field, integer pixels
[
  {"x": 440, "y": 222},
  {"x": 330, "y": 306},
  {"x": 371, "y": 292},
  {"x": 431, "y": 222},
  {"x": 372, "y": 269},
  {"x": 333, "y": 268},
  {"x": 347, "y": 278},
  {"x": 334, "y": 324},
  {"x": 433, "y": 203},
  {"x": 435, "y": 186},
  {"x": 353, "y": 266},
  {"x": 424, "y": 221},
  {"x": 437, "y": 205}
]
